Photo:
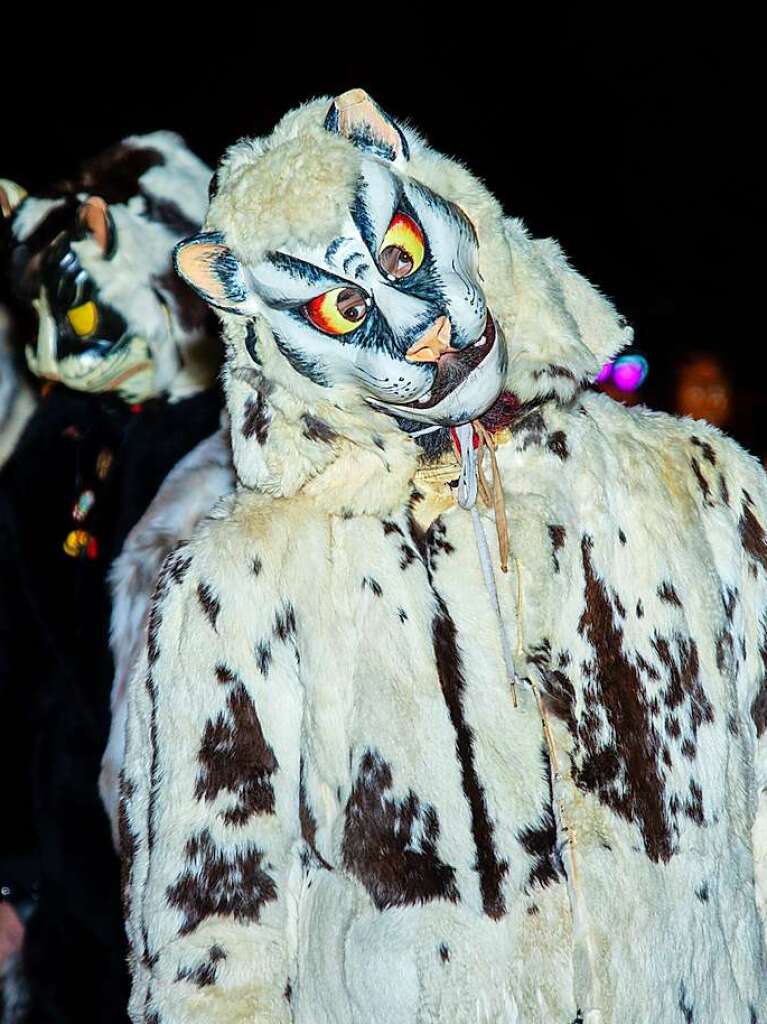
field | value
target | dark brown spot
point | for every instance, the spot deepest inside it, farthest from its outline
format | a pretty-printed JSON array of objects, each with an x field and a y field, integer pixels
[
  {"x": 706, "y": 449},
  {"x": 702, "y": 482},
  {"x": 557, "y": 535},
  {"x": 685, "y": 1005},
  {"x": 208, "y": 602},
  {"x": 391, "y": 527},
  {"x": 217, "y": 882},
  {"x": 285, "y": 623},
  {"x": 390, "y": 846},
  {"x": 263, "y": 656},
  {"x": 693, "y": 806},
  {"x": 491, "y": 869},
  {"x": 402, "y": 615},
  {"x": 620, "y": 765},
  {"x": 444, "y": 953},
  {"x": 640, "y": 609},
  {"x": 204, "y": 973},
  {"x": 759, "y": 704},
  {"x": 667, "y": 593},
  {"x": 128, "y": 840},
  {"x": 256, "y": 565},
  {"x": 316, "y": 430},
  {"x": 235, "y": 757},
  {"x": 256, "y": 417},
  {"x": 173, "y": 570},
  {"x": 702, "y": 893},
  {"x": 752, "y": 535},
  {"x": 539, "y": 841},
  {"x": 724, "y": 492},
  {"x": 373, "y": 585},
  {"x": 437, "y": 542},
  {"x": 224, "y": 674},
  {"x": 557, "y": 443},
  {"x": 309, "y": 823}
]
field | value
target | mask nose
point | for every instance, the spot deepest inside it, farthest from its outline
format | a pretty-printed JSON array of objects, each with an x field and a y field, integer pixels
[{"x": 433, "y": 343}]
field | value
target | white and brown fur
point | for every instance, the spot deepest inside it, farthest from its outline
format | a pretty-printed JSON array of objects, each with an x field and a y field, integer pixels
[{"x": 332, "y": 812}]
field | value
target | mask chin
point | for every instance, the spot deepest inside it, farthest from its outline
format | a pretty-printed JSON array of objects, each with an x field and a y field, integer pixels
[
  {"x": 128, "y": 370},
  {"x": 469, "y": 400}
]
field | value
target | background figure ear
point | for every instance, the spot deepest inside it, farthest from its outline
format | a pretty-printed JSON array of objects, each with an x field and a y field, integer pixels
[
  {"x": 358, "y": 118},
  {"x": 97, "y": 222},
  {"x": 215, "y": 273},
  {"x": 11, "y": 195}
]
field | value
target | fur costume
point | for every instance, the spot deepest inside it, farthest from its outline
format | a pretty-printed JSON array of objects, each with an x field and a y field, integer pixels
[
  {"x": 16, "y": 400},
  {"x": 124, "y": 350},
  {"x": 187, "y": 494},
  {"x": 342, "y": 802}
]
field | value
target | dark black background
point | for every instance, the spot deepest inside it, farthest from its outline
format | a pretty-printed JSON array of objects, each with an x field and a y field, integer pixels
[{"x": 638, "y": 149}]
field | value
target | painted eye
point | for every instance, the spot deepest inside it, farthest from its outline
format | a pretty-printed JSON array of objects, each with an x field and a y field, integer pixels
[
  {"x": 338, "y": 311},
  {"x": 83, "y": 319},
  {"x": 403, "y": 247}
]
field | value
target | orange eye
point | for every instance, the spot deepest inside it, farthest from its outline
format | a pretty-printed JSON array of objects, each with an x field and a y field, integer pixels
[
  {"x": 403, "y": 247},
  {"x": 338, "y": 311}
]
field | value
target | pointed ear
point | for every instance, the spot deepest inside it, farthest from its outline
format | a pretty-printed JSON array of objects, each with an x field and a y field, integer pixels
[
  {"x": 96, "y": 221},
  {"x": 11, "y": 195},
  {"x": 215, "y": 273},
  {"x": 359, "y": 119}
]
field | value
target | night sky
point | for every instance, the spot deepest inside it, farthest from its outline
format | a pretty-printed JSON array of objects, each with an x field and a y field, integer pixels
[{"x": 640, "y": 159}]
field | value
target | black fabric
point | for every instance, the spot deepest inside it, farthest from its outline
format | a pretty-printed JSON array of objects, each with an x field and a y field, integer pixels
[{"x": 55, "y": 679}]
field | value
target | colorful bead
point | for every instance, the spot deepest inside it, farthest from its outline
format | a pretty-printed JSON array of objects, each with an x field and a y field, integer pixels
[
  {"x": 76, "y": 543},
  {"x": 83, "y": 505},
  {"x": 104, "y": 463}
]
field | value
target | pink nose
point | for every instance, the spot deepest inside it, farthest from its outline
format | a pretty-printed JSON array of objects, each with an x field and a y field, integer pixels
[{"x": 433, "y": 343}]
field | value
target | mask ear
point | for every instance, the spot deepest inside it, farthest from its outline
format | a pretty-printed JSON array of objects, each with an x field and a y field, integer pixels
[
  {"x": 11, "y": 196},
  {"x": 215, "y": 273},
  {"x": 359, "y": 119},
  {"x": 602, "y": 330},
  {"x": 97, "y": 222}
]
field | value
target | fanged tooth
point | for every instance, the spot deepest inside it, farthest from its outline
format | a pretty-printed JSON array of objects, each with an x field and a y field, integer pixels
[{"x": 480, "y": 341}]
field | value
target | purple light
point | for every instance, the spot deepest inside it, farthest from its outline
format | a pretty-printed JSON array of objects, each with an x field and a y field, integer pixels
[
  {"x": 604, "y": 373},
  {"x": 629, "y": 372}
]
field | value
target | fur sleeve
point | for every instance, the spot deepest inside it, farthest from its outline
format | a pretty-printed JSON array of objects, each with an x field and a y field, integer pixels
[
  {"x": 209, "y": 791},
  {"x": 750, "y": 505}
]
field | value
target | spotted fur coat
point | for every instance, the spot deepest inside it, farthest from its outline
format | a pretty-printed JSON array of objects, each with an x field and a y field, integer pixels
[{"x": 332, "y": 810}]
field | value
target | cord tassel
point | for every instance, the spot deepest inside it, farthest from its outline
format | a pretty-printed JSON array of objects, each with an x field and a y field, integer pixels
[{"x": 498, "y": 502}]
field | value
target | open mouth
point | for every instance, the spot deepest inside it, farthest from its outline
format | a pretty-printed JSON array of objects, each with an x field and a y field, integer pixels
[{"x": 453, "y": 368}]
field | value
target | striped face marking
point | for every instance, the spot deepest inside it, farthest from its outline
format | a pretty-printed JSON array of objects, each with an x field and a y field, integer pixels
[{"x": 357, "y": 307}]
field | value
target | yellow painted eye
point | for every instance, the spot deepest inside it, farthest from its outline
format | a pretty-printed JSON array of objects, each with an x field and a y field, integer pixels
[
  {"x": 338, "y": 311},
  {"x": 84, "y": 319},
  {"x": 403, "y": 247}
]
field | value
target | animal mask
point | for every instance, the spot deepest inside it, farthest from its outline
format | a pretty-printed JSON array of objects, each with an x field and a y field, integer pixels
[
  {"x": 96, "y": 268},
  {"x": 390, "y": 302}
]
